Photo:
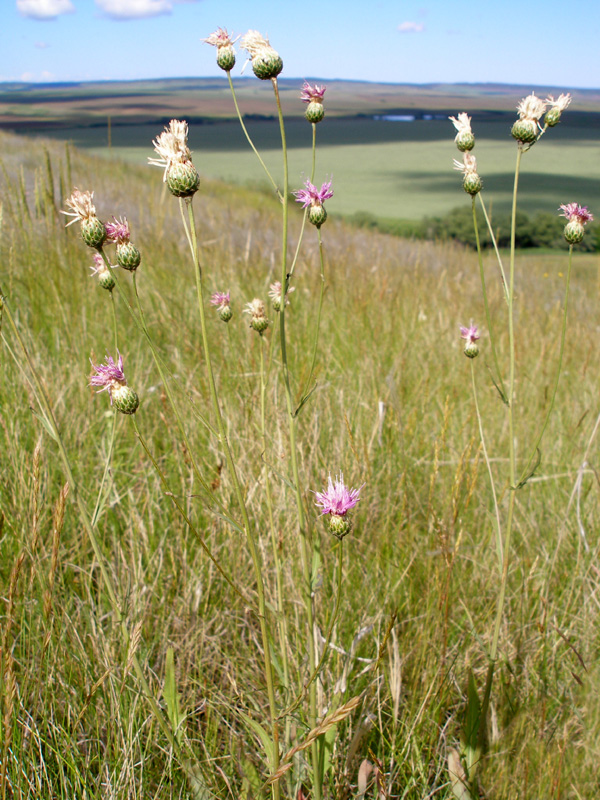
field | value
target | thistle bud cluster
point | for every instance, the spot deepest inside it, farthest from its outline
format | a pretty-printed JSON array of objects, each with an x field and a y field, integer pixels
[
  {"x": 266, "y": 62},
  {"x": 578, "y": 217},
  {"x": 472, "y": 183},
  {"x": 258, "y": 315},
  {"x": 464, "y": 139},
  {"x": 225, "y": 52},
  {"x": 175, "y": 157},
  {"x": 527, "y": 128},
  {"x": 83, "y": 210},
  {"x": 313, "y": 95},
  {"x": 557, "y": 106}
]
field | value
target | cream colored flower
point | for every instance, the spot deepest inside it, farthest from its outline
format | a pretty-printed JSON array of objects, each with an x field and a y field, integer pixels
[
  {"x": 462, "y": 124},
  {"x": 531, "y": 108},
  {"x": 468, "y": 165},
  {"x": 171, "y": 146},
  {"x": 81, "y": 205}
]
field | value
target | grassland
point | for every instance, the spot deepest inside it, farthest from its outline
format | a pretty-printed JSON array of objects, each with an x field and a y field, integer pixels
[
  {"x": 392, "y": 409},
  {"x": 392, "y": 170}
]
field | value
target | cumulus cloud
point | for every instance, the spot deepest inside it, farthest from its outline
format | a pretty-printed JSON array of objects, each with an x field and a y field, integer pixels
[
  {"x": 411, "y": 27},
  {"x": 134, "y": 9},
  {"x": 44, "y": 9}
]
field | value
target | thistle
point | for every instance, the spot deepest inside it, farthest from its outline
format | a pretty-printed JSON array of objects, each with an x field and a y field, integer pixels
[
  {"x": 275, "y": 295},
  {"x": 105, "y": 278},
  {"x": 337, "y": 500},
  {"x": 221, "y": 301},
  {"x": 470, "y": 335},
  {"x": 128, "y": 256},
  {"x": 557, "y": 106},
  {"x": 313, "y": 199},
  {"x": 578, "y": 217},
  {"x": 110, "y": 377},
  {"x": 313, "y": 95},
  {"x": 472, "y": 183},
  {"x": 180, "y": 174},
  {"x": 527, "y": 128},
  {"x": 258, "y": 315},
  {"x": 464, "y": 138},
  {"x": 266, "y": 62},
  {"x": 83, "y": 210},
  {"x": 225, "y": 52}
]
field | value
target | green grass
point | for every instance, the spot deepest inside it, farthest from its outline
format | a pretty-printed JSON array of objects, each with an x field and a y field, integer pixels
[{"x": 392, "y": 408}]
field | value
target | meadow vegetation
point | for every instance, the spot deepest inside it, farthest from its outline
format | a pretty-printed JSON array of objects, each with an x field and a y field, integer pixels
[{"x": 392, "y": 409}]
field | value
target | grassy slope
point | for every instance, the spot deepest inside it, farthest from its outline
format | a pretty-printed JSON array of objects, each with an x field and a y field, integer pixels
[{"x": 422, "y": 546}]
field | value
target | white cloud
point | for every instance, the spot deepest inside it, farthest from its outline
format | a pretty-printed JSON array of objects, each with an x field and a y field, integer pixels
[
  {"x": 42, "y": 45},
  {"x": 411, "y": 27},
  {"x": 134, "y": 9},
  {"x": 44, "y": 9}
]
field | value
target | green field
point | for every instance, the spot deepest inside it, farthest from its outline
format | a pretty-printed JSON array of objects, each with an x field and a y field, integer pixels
[{"x": 393, "y": 170}]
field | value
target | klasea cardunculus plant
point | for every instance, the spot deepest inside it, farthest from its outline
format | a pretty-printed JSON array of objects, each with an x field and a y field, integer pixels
[
  {"x": 336, "y": 501},
  {"x": 313, "y": 199},
  {"x": 472, "y": 183},
  {"x": 578, "y": 217},
  {"x": 83, "y": 210},
  {"x": 225, "y": 52},
  {"x": 313, "y": 95},
  {"x": 527, "y": 128},
  {"x": 464, "y": 137},
  {"x": 128, "y": 256},
  {"x": 222, "y": 300},
  {"x": 471, "y": 336},
  {"x": 105, "y": 278},
  {"x": 110, "y": 377},
  {"x": 557, "y": 106},
  {"x": 266, "y": 62},
  {"x": 175, "y": 157}
]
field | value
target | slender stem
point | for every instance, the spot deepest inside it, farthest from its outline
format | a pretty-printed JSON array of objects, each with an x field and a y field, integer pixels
[
  {"x": 250, "y": 142},
  {"x": 524, "y": 474},
  {"x": 313, "y": 362},
  {"x": 248, "y": 530},
  {"x": 302, "y": 523},
  {"x": 305, "y": 215},
  {"x": 493, "y": 238},
  {"x": 489, "y": 469},
  {"x": 486, "y": 304}
]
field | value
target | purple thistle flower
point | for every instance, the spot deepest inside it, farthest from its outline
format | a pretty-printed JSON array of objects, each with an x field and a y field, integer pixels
[
  {"x": 311, "y": 196},
  {"x": 312, "y": 94},
  {"x": 220, "y": 299},
  {"x": 100, "y": 266},
  {"x": 117, "y": 231},
  {"x": 109, "y": 376},
  {"x": 337, "y": 499},
  {"x": 576, "y": 213},
  {"x": 470, "y": 334}
]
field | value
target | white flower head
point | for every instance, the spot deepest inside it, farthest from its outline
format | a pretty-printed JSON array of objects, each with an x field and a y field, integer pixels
[
  {"x": 171, "y": 146},
  {"x": 531, "y": 108},
  {"x": 468, "y": 165},
  {"x": 463, "y": 123},
  {"x": 81, "y": 205},
  {"x": 561, "y": 102}
]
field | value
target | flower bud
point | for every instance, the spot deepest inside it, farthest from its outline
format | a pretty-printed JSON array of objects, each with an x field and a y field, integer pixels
[
  {"x": 464, "y": 139},
  {"x": 93, "y": 232},
  {"x": 574, "y": 232},
  {"x": 266, "y": 62},
  {"x": 258, "y": 316},
  {"x": 317, "y": 215},
  {"x": 525, "y": 131},
  {"x": 225, "y": 313},
  {"x": 472, "y": 183},
  {"x": 340, "y": 525},
  {"x": 578, "y": 217},
  {"x": 125, "y": 399},
  {"x": 106, "y": 280},
  {"x": 470, "y": 335},
  {"x": 183, "y": 179},
  {"x": 226, "y": 58},
  {"x": 128, "y": 256},
  {"x": 471, "y": 350}
]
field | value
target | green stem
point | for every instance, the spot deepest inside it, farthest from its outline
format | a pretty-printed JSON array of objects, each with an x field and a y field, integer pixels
[
  {"x": 250, "y": 535},
  {"x": 247, "y": 135},
  {"x": 305, "y": 215},
  {"x": 308, "y": 391},
  {"x": 524, "y": 474},
  {"x": 493, "y": 238},
  {"x": 302, "y": 524}
]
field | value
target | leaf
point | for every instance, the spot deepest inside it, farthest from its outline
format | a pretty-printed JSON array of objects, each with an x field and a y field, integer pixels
[
  {"x": 171, "y": 696},
  {"x": 49, "y": 430},
  {"x": 458, "y": 776},
  {"x": 264, "y": 737},
  {"x": 473, "y": 721}
]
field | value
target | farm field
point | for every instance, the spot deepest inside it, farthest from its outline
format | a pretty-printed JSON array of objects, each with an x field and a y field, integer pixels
[{"x": 390, "y": 169}]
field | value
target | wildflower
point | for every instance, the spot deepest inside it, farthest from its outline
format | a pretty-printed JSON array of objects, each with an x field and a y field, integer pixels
[
  {"x": 464, "y": 138},
  {"x": 225, "y": 52},
  {"x": 472, "y": 183},
  {"x": 275, "y": 295},
  {"x": 557, "y": 106},
  {"x": 578, "y": 217},
  {"x": 266, "y": 62},
  {"x": 470, "y": 335},
  {"x": 100, "y": 269},
  {"x": 313, "y": 95},
  {"x": 180, "y": 175},
  {"x": 527, "y": 127},
  {"x": 258, "y": 315},
  {"x": 128, "y": 256},
  {"x": 110, "y": 377},
  {"x": 221, "y": 300},
  {"x": 83, "y": 210},
  {"x": 337, "y": 500},
  {"x": 313, "y": 199}
]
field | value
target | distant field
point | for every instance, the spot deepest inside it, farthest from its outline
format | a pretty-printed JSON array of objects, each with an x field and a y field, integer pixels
[{"x": 396, "y": 170}]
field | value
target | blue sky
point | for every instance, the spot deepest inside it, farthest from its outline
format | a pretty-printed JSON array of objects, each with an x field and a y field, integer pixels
[{"x": 542, "y": 42}]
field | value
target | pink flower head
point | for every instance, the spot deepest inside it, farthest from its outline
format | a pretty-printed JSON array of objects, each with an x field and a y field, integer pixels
[
  {"x": 312, "y": 94},
  {"x": 100, "y": 266},
  {"x": 220, "y": 299},
  {"x": 109, "y": 376},
  {"x": 81, "y": 205},
  {"x": 117, "y": 231},
  {"x": 220, "y": 38},
  {"x": 311, "y": 196},
  {"x": 337, "y": 499},
  {"x": 470, "y": 334},
  {"x": 576, "y": 213}
]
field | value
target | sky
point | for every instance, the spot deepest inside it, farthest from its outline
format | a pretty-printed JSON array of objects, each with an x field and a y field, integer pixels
[{"x": 541, "y": 42}]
